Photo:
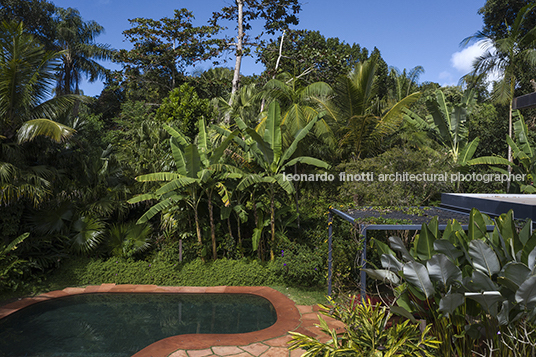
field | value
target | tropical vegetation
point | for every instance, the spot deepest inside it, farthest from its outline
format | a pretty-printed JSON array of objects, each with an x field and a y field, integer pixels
[{"x": 174, "y": 175}]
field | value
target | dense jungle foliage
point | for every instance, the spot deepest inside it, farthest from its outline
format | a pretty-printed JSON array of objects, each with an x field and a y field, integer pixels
[{"x": 168, "y": 166}]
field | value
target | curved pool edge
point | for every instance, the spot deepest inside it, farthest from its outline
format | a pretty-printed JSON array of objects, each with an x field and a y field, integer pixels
[{"x": 288, "y": 316}]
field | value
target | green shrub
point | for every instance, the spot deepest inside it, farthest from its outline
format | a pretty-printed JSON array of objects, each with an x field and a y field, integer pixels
[
  {"x": 195, "y": 273},
  {"x": 226, "y": 272},
  {"x": 394, "y": 193},
  {"x": 184, "y": 107},
  {"x": 299, "y": 266},
  {"x": 12, "y": 268},
  {"x": 368, "y": 333},
  {"x": 478, "y": 288}
]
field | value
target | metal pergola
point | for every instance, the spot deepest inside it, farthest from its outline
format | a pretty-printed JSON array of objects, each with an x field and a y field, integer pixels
[{"x": 444, "y": 216}]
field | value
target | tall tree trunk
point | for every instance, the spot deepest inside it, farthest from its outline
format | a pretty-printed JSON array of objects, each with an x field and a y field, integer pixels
[
  {"x": 173, "y": 69},
  {"x": 238, "y": 48},
  {"x": 196, "y": 219},
  {"x": 255, "y": 215},
  {"x": 212, "y": 227},
  {"x": 276, "y": 67},
  {"x": 239, "y": 233},
  {"x": 230, "y": 227},
  {"x": 67, "y": 79},
  {"x": 238, "y": 62},
  {"x": 197, "y": 228}
]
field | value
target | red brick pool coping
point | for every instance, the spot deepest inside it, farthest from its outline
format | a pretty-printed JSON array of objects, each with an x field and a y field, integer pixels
[{"x": 288, "y": 316}]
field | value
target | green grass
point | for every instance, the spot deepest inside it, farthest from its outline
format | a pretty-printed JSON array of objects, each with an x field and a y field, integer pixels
[
  {"x": 303, "y": 296},
  {"x": 300, "y": 296}
]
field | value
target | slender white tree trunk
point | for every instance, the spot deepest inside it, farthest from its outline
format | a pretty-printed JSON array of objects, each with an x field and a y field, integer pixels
[
  {"x": 238, "y": 62},
  {"x": 239, "y": 43},
  {"x": 275, "y": 72}
]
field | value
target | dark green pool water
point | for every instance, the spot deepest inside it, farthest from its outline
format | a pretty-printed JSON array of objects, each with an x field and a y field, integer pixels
[{"x": 123, "y": 324}]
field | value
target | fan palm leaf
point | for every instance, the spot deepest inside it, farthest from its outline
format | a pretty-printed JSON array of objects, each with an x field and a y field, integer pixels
[
  {"x": 89, "y": 234},
  {"x": 128, "y": 239}
]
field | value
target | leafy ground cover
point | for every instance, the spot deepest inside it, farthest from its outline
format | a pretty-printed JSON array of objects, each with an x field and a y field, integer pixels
[{"x": 82, "y": 272}]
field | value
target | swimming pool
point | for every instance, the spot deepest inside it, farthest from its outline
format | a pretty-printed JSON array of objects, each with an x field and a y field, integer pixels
[{"x": 123, "y": 324}]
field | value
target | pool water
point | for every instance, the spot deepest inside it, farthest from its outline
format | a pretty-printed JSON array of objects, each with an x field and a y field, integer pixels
[{"x": 122, "y": 324}]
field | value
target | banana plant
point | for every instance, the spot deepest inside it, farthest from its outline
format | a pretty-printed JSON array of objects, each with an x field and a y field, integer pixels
[
  {"x": 523, "y": 152},
  {"x": 446, "y": 125},
  {"x": 199, "y": 171},
  {"x": 267, "y": 151},
  {"x": 456, "y": 277},
  {"x": 237, "y": 207}
]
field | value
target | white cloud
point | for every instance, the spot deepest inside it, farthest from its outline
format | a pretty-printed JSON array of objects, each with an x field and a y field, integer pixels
[
  {"x": 446, "y": 79},
  {"x": 463, "y": 60}
]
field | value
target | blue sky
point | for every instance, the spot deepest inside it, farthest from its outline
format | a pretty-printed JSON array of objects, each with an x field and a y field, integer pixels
[{"x": 408, "y": 33}]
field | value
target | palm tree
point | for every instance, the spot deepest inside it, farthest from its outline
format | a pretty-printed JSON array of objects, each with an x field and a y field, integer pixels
[
  {"x": 404, "y": 83},
  {"x": 446, "y": 124},
  {"x": 505, "y": 56},
  {"x": 245, "y": 103},
  {"x": 26, "y": 76},
  {"x": 76, "y": 39},
  {"x": 355, "y": 106},
  {"x": 300, "y": 105}
]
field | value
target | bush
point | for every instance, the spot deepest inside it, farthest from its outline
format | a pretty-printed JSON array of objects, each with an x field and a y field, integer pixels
[
  {"x": 299, "y": 266},
  {"x": 12, "y": 268},
  {"x": 394, "y": 193},
  {"x": 184, "y": 107},
  {"x": 195, "y": 273},
  {"x": 368, "y": 333}
]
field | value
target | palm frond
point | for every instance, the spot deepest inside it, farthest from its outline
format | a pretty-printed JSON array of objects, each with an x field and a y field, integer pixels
[{"x": 44, "y": 127}]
